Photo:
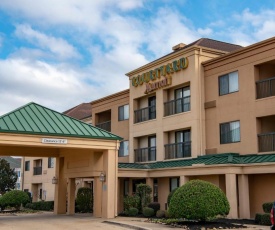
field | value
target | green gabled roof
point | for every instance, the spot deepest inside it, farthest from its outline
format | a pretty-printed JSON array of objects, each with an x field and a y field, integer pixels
[
  {"x": 35, "y": 119},
  {"x": 214, "y": 159}
]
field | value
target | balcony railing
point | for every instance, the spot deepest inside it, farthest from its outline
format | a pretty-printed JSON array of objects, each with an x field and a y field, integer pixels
[
  {"x": 145, "y": 114},
  {"x": 177, "y": 106},
  {"x": 265, "y": 88},
  {"x": 37, "y": 170},
  {"x": 145, "y": 154},
  {"x": 178, "y": 150},
  {"x": 104, "y": 125},
  {"x": 266, "y": 142}
]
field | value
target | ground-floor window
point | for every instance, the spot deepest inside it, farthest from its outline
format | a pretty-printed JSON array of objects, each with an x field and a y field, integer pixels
[{"x": 174, "y": 183}]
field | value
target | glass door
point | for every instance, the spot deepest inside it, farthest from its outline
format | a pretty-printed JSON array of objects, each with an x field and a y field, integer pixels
[
  {"x": 152, "y": 141},
  {"x": 152, "y": 107}
]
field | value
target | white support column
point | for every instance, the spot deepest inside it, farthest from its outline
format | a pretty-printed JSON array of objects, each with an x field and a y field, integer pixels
[
  {"x": 231, "y": 193},
  {"x": 244, "y": 205},
  {"x": 71, "y": 197},
  {"x": 60, "y": 187}
]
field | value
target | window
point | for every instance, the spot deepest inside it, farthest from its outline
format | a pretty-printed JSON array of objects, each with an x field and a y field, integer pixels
[
  {"x": 40, "y": 194},
  {"x": 123, "y": 149},
  {"x": 18, "y": 173},
  {"x": 126, "y": 187},
  {"x": 27, "y": 165},
  {"x": 230, "y": 132},
  {"x": 123, "y": 112},
  {"x": 50, "y": 162},
  {"x": 152, "y": 107},
  {"x": 174, "y": 183},
  {"x": 182, "y": 100},
  {"x": 229, "y": 83}
]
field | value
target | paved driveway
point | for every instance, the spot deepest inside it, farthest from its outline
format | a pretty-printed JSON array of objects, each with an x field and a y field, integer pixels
[{"x": 48, "y": 221}]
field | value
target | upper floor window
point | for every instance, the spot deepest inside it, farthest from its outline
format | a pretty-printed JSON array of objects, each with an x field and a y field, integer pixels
[
  {"x": 123, "y": 149},
  {"x": 27, "y": 165},
  {"x": 230, "y": 132},
  {"x": 228, "y": 83},
  {"x": 123, "y": 112},
  {"x": 50, "y": 162}
]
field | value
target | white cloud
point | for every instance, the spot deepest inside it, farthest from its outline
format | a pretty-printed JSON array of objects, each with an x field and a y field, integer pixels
[
  {"x": 168, "y": 30},
  {"x": 57, "y": 46},
  {"x": 205, "y": 32}
]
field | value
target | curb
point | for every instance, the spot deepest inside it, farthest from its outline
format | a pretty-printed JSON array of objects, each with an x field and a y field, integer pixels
[{"x": 126, "y": 225}]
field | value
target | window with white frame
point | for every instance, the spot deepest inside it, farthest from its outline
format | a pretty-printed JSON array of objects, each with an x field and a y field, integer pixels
[
  {"x": 230, "y": 132},
  {"x": 229, "y": 83},
  {"x": 123, "y": 149},
  {"x": 123, "y": 112}
]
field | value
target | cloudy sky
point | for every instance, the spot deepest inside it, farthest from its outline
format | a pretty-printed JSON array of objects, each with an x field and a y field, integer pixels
[{"x": 60, "y": 53}]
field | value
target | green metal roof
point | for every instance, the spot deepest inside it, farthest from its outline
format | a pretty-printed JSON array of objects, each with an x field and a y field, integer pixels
[
  {"x": 213, "y": 159},
  {"x": 35, "y": 119}
]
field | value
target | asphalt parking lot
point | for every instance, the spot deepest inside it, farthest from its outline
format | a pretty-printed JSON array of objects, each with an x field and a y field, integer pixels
[{"x": 49, "y": 221}]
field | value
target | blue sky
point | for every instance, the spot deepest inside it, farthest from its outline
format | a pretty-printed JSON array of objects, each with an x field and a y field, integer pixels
[{"x": 62, "y": 53}]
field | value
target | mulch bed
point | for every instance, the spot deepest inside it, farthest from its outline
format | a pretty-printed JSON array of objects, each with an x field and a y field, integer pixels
[{"x": 215, "y": 224}]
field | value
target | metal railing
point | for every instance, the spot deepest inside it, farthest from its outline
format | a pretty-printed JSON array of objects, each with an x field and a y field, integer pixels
[
  {"x": 177, "y": 106},
  {"x": 265, "y": 88},
  {"x": 145, "y": 114},
  {"x": 178, "y": 150},
  {"x": 145, "y": 154},
  {"x": 266, "y": 142},
  {"x": 37, "y": 170},
  {"x": 104, "y": 125}
]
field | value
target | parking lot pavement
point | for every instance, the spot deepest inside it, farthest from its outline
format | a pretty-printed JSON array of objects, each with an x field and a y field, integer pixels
[{"x": 48, "y": 221}]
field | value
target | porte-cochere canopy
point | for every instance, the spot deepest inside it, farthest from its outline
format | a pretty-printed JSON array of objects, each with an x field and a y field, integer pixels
[
  {"x": 34, "y": 119},
  {"x": 81, "y": 151}
]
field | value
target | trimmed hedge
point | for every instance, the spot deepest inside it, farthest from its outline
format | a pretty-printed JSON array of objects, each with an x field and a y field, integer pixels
[
  {"x": 155, "y": 206},
  {"x": 267, "y": 207},
  {"x": 160, "y": 214},
  {"x": 148, "y": 212},
  {"x": 131, "y": 202},
  {"x": 14, "y": 199},
  {"x": 41, "y": 205},
  {"x": 265, "y": 219},
  {"x": 170, "y": 196},
  {"x": 198, "y": 200},
  {"x": 132, "y": 212},
  {"x": 84, "y": 200}
]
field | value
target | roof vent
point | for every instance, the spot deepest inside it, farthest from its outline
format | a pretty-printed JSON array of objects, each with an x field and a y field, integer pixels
[{"x": 178, "y": 46}]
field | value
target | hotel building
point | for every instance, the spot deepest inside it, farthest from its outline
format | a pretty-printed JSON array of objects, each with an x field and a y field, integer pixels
[{"x": 205, "y": 111}]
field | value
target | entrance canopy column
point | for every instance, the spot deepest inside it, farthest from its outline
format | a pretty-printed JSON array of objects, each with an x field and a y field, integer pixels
[
  {"x": 231, "y": 193},
  {"x": 71, "y": 196},
  {"x": 60, "y": 188},
  {"x": 244, "y": 196}
]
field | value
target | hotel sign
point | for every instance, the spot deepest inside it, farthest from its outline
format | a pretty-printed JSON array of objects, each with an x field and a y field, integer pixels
[
  {"x": 163, "y": 74},
  {"x": 54, "y": 141}
]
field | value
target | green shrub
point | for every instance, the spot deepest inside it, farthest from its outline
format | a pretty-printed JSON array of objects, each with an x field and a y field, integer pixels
[
  {"x": 160, "y": 214},
  {"x": 258, "y": 217},
  {"x": 14, "y": 199},
  {"x": 267, "y": 207},
  {"x": 84, "y": 199},
  {"x": 148, "y": 212},
  {"x": 166, "y": 214},
  {"x": 170, "y": 196},
  {"x": 198, "y": 200},
  {"x": 154, "y": 205},
  {"x": 265, "y": 219},
  {"x": 41, "y": 205},
  {"x": 131, "y": 202},
  {"x": 132, "y": 212},
  {"x": 144, "y": 192}
]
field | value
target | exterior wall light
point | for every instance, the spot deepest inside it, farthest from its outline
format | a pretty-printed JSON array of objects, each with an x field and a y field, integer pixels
[
  {"x": 54, "y": 180},
  {"x": 102, "y": 177}
]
